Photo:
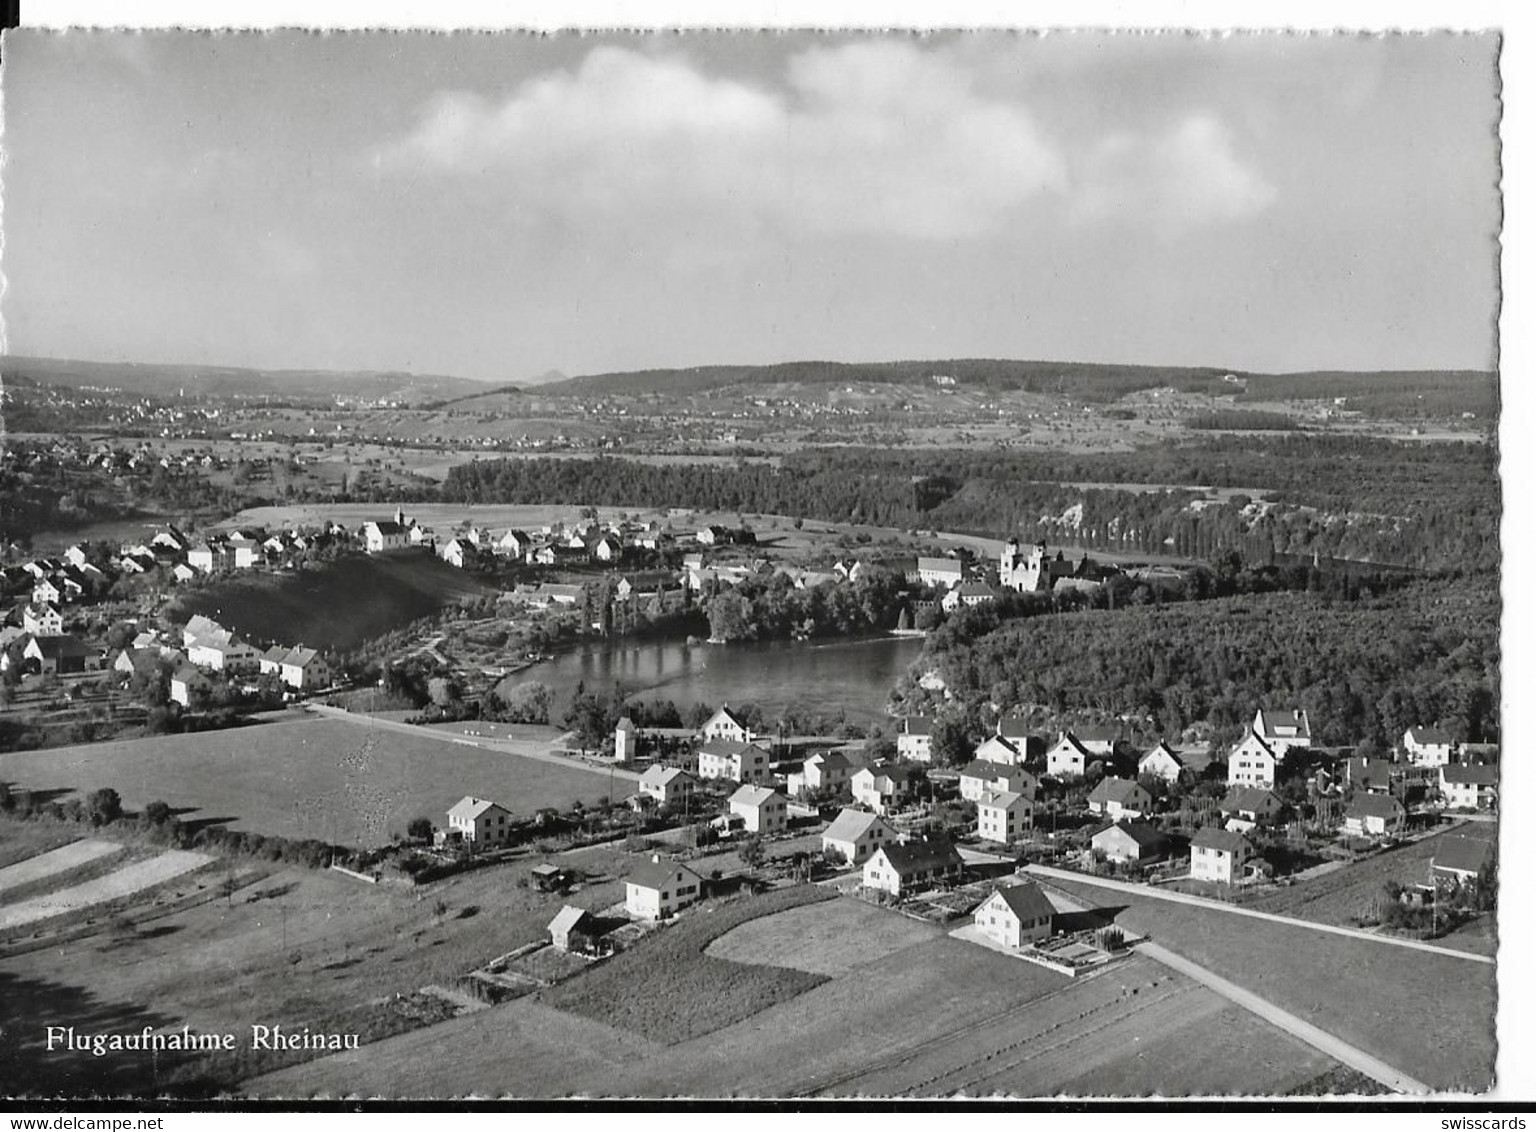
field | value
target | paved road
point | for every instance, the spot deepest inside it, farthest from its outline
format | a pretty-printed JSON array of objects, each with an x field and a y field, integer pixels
[
  {"x": 1234, "y": 910},
  {"x": 1334, "y": 1047},
  {"x": 523, "y": 748}
]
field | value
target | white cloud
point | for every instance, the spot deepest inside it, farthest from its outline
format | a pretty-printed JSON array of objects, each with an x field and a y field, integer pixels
[
  {"x": 878, "y": 137},
  {"x": 1185, "y": 178}
]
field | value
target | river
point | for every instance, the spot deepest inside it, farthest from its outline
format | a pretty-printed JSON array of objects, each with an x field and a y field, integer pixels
[{"x": 821, "y": 676}]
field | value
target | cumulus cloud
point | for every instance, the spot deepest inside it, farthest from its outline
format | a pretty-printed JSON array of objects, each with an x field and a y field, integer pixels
[
  {"x": 876, "y": 137},
  {"x": 1184, "y": 178}
]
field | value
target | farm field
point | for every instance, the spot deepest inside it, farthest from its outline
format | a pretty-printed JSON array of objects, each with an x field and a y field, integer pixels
[
  {"x": 337, "y": 605},
  {"x": 931, "y": 1018},
  {"x": 22, "y": 840},
  {"x": 809, "y": 938},
  {"x": 299, "y": 947},
  {"x": 1371, "y": 995},
  {"x": 126, "y": 881},
  {"x": 61, "y": 860},
  {"x": 329, "y": 780},
  {"x": 1336, "y": 897}
]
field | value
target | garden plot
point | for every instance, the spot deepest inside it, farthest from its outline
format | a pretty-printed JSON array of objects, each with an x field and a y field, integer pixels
[
  {"x": 815, "y": 937},
  {"x": 55, "y": 861},
  {"x": 127, "y": 881}
]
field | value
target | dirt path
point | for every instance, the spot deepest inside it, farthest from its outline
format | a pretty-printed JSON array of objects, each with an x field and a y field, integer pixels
[
  {"x": 523, "y": 748},
  {"x": 1234, "y": 910},
  {"x": 60, "y": 860}
]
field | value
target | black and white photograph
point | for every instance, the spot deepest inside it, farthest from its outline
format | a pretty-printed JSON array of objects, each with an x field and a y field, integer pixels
[{"x": 806, "y": 565}]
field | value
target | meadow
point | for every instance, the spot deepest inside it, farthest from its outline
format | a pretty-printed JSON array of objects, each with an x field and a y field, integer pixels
[{"x": 305, "y": 777}]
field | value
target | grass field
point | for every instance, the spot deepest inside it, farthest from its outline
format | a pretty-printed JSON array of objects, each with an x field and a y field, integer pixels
[
  {"x": 931, "y": 1019},
  {"x": 334, "y": 606},
  {"x": 815, "y": 938},
  {"x": 22, "y": 840},
  {"x": 305, "y": 777},
  {"x": 124, "y": 882},
  {"x": 1377, "y": 997},
  {"x": 65, "y": 858},
  {"x": 299, "y": 948}
]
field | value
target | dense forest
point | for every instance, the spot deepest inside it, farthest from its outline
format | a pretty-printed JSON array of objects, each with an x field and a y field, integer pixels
[
  {"x": 1423, "y": 506},
  {"x": 1364, "y": 669}
]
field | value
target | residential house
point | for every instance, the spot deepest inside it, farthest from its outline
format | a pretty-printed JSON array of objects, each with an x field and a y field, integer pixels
[
  {"x": 668, "y": 785},
  {"x": 513, "y": 544},
  {"x": 1130, "y": 840},
  {"x": 183, "y": 573},
  {"x": 1068, "y": 758},
  {"x": 658, "y": 889},
  {"x": 901, "y": 868},
  {"x": 1117, "y": 798},
  {"x": 739, "y": 762},
  {"x": 916, "y": 739},
  {"x": 854, "y": 835},
  {"x": 1460, "y": 860},
  {"x": 968, "y": 594},
  {"x": 305, "y": 669},
  {"x": 230, "y": 656},
  {"x": 1017, "y": 915},
  {"x": 137, "y": 662},
  {"x": 185, "y": 682},
  {"x": 1283, "y": 731},
  {"x": 200, "y": 630},
  {"x": 726, "y": 724},
  {"x": 171, "y": 540},
  {"x": 385, "y": 535},
  {"x": 607, "y": 549},
  {"x": 1097, "y": 740},
  {"x": 1003, "y": 816},
  {"x": 479, "y": 821},
  {"x": 881, "y": 787},
  {"x": 626, "y": 739},
  {"x": 1014, "y": 727},
  {"x": 978, "y": 777},
  {"x": 1253, "y": 762},
  {"x": 75, "y": 555},
  {"x": 572, "y": 928},
  {"x": 996, "y": 749},
  {"x": 1250, "y": 806},
  {"x": 1373, "y": 776},
  {"x": 1160, "y": 762},
  {"x": 1219, "y": 855},
  {"x": 210, "y": 557},
  {"x": 459, "y": 552},
  {"x": 42, "y": 620},
  {"x": 58, "y": 655},
  {"x": 244, "y": 552},
  {"x": 942, "y": 573},
  {"x": 761, "y": 808},
  {"x": 829, "y": 771},
  {"x": 1470, "y": 787},
  {"x": 1373, "y": 815},
  {"x": 1429, "y": 746},
  {"x": 48, "y": 591}
]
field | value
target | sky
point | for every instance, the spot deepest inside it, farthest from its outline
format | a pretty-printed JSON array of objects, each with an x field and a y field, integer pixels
[{"x": 499, "y": 206}]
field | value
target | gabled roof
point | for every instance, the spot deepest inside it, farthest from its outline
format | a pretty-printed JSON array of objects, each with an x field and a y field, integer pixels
[
  {"x": 1374, "y": 806},
  {"x": 301, "y": 656},
  {"x": 917, "y": 725},
  {"x": 1006, "y": 744},
  {"x": 469, "y": 807},
  {"x": 910, "y": 857},
  {"x": 1143, "y": 833},
  {"x": 987, "y": 771},
  {"x": 1223, "y": 840},
  {"x": 1464, "y": 854},
  {"x": 657, "y": 873},
  {"x": 1273, "y": 721},
  {"x": 625, "y": 724},
  {"x": 569, "y": 918},
  {"x": 1113, "y": 789},
  {"x": 940, "y": 565},
  {"x": 729, "y": 714},
  {"x": 1246, "y": 799},
  {"x": 1069, "y": 739},
  {"x": 1264, "y": 746},
  {"x": 896, "y": 772},
  {"x": 1164, "y": 749},
  {"x": 754, "y": 795},
  {"x": 385, "y": 527},
  {"x": 1003, "y": 798},
  {"x": 1431, "y": 736},
  {"x": 58, "y": 647},
  {"x": 830, "y": 760},
  {"x": 1469, "y": 774},
  {"x": 1026, "y": 901},
  {"x": 1096, "y": 734},
  {"x": 275, "y": 654},
  {"x": 850, "y": 825},
  {"x": 727, "y": 748}
]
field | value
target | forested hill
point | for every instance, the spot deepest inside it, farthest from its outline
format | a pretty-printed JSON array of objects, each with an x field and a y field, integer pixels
[
  {"x": 1413, "y": 393},
  {"x": 1423, "y": 506}
]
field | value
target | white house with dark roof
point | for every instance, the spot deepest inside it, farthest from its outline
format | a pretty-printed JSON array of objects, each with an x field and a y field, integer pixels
[
  {"x": 1373, "y": 815},
  {"x": 1249, "y": 806},
  {"x": 979, "y": 776},
  {"x": 1016, "y": 915},
  {"x": 880, "y": 787},
  {"x": 726, "y": 724},
  {"x": 739, "y": 762},
  {"x": 304, "y": 669},
  {"x": 1429, "y": 746},
  {"x": 42, "y": 620},
  {"x": 1284, "y": 730},
  {"x": 479, "y": 821},
  {"x": 996, "y": 749},
  {"x": 1130, "y": 840},
  {"x": 668, "y": 785},
  {"x": 1469, "y": 787},
  {"x": 1218, "y": 855},
  {"x": 1068, "y": 758},
  {"x": 1160, "y": 762},
  {"x": 1003, "y": 816},
  {"x": 854, "y": 835},
  {"x": 944, "y": 573},
  {"x": 1253, "y": 762},
  {"x": 916, "y": 739},
  {"x": 761, "y": 808},
  {"x": 384, "y": 535},
  {"x": 1117, "y": 798},
  {"x": 830, "y": 770},
  {"x": 901, "y": 868},
  {"x": 1460, "y": 860},
  {"x": 660, "y": 888}
]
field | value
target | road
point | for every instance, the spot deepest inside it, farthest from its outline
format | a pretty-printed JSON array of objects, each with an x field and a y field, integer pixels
[
  {"x": 1233, "y": 910},
  {"x": 1335, "y": 1047},
  {"x": 523, "y": 748}
]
